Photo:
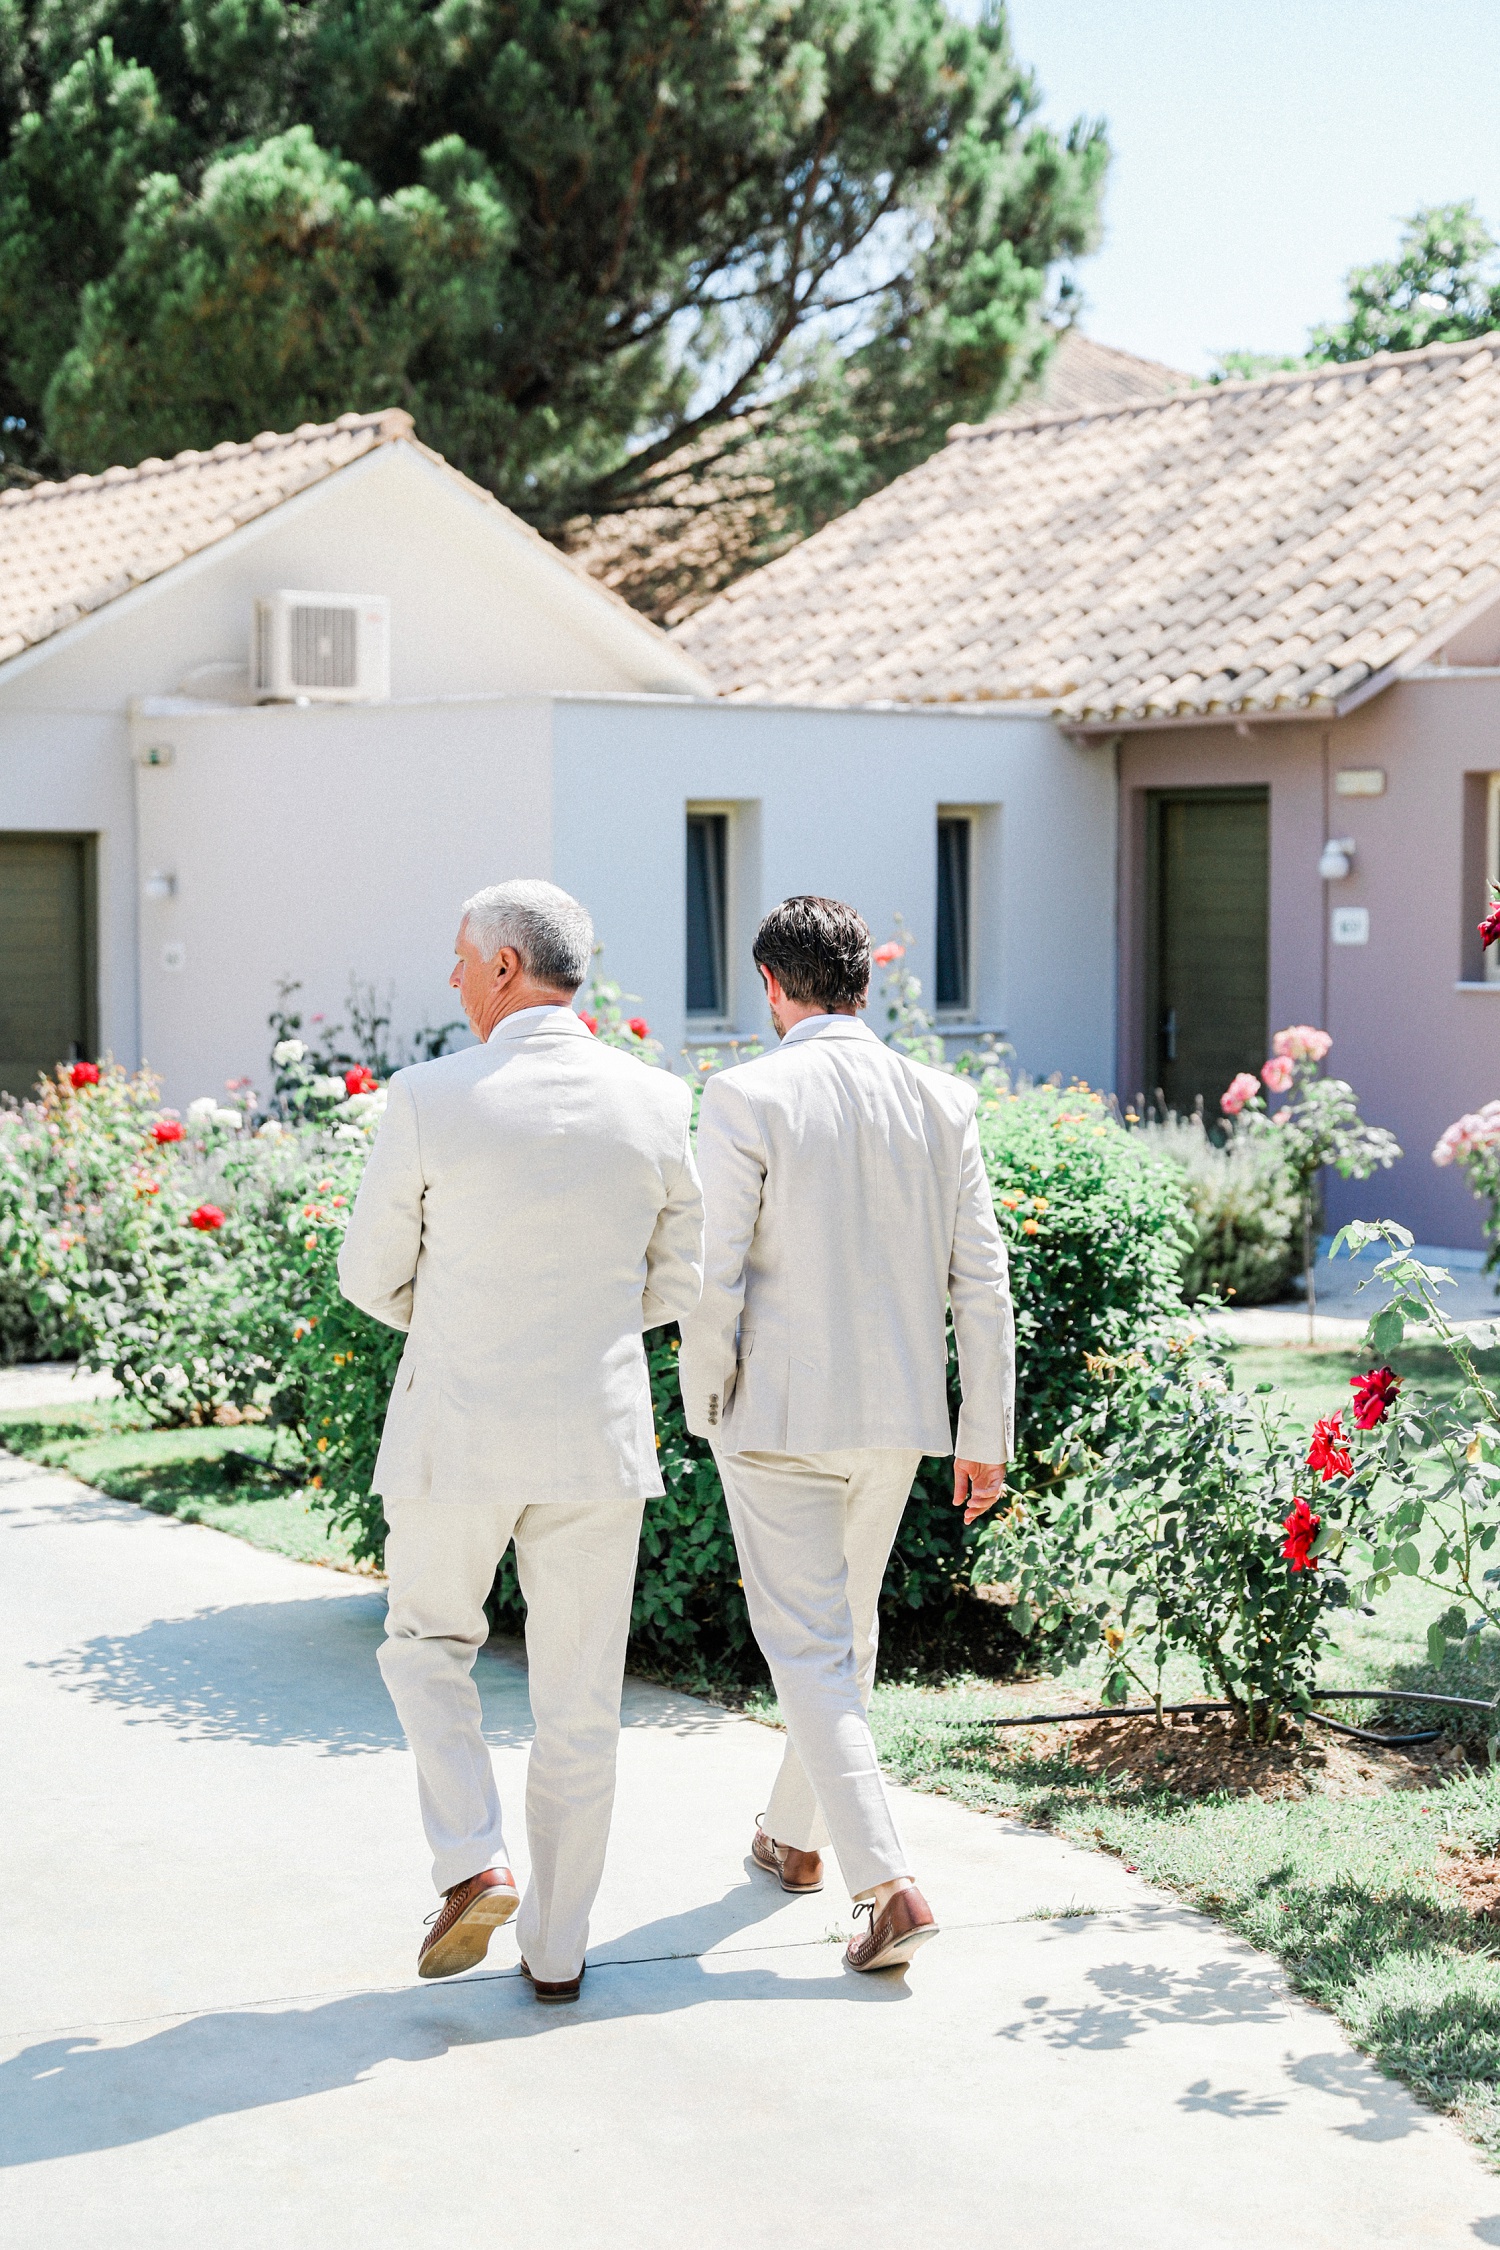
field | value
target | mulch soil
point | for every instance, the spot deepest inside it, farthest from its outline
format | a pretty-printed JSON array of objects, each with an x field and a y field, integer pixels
[{"x": 1208, "y": 1754}]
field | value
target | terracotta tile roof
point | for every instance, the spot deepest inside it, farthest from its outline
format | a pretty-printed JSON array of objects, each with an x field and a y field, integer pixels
[
  {"x": 1275, "y": 546},
  {"x": 67, "y": 549},
  {"x": 1082, "y": 376},
  {"x": 669, "y": 558}
]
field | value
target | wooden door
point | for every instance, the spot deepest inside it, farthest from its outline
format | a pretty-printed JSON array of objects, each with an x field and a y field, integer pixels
[
  {"x": 1209, "y": 898},
  {"x": 46, "y": 956}
]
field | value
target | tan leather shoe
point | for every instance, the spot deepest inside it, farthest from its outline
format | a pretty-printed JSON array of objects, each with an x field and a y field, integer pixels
[
  {"x": 567, "y": 1989},
  {"x": 796, "y": 1870},
  {"x": 902, "y": 1926},
  {"x": 463, "y": 1925}
]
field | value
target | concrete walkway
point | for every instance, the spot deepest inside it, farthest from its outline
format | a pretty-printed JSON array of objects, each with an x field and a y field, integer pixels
[{"x": 212, "y": 2033}]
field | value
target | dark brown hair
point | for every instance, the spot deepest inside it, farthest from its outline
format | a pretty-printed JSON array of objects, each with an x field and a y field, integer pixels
[{"x": 817, "y": 950}]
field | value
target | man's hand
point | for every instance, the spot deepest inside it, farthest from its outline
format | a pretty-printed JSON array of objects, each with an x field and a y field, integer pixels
[{"x": 977, "y": 1485}]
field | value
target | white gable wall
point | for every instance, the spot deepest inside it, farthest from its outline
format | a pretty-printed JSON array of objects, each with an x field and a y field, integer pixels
[
  {"x": 322, "y": 845},
  {"x": 477, "y": 608}
]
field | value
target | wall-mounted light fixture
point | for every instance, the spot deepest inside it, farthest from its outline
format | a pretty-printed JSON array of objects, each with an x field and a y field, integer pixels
[
  {"x": 160, "y": 885},
  {"x": 1337, "y": 860}
]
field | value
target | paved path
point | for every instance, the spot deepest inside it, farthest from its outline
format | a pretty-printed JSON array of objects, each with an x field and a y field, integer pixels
[{"x": 212, "y": 2035}]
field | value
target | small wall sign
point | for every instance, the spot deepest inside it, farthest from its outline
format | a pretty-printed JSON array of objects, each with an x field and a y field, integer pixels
[
  {"x": 1359, "y": 781},
  {"x": 1351, "y": 925}
]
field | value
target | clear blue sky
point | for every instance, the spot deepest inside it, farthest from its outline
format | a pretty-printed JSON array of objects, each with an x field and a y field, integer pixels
[{"x": 1261, "y": 149}]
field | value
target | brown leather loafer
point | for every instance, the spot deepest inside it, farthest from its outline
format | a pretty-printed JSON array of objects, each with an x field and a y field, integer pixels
[
  {"x": 895, "y": 1934},
  {"x": 796, "y": 1870},
  {"x": 568, "y": 1989},
  {"x": 463, "y": 1925}
]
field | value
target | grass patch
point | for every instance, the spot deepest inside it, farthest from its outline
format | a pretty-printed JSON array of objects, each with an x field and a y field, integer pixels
[
  {"x": 247, "y": 1481},
  {"x": 1346, "y": 1893}
]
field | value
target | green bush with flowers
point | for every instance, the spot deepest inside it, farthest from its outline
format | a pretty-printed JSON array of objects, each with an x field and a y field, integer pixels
[{"x": 195, "y": 1258}]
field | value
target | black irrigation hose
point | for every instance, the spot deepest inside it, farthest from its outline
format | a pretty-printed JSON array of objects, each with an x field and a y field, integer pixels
[{"x": 1318, "y": 1695}]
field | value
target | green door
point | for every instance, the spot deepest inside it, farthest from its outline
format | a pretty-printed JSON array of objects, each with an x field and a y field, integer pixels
[
  {"x": 1209, "y": 884},
  {"x": 46, "y": 956}
]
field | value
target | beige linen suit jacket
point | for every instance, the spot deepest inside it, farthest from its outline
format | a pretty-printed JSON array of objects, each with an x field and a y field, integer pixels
[
  {"x": 847, "y": 1206},
  {"x": 529, "y": 1208}
]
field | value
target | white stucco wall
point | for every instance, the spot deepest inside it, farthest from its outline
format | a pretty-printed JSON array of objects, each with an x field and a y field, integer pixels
[
  {"x": 475, "y": 610},
  {"x": 846, "y": 803},
  {"x": 320, "y": 845}
]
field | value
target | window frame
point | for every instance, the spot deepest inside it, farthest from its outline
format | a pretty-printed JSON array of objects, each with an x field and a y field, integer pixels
[
  {"x": 965, "y": 1011},
  {"x": 1490, "y": 957},
  {"x": 699, "y": 1023}
]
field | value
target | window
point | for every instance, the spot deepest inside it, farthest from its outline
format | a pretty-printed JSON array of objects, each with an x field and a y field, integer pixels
[
  {"x": 1491, "y": 954},
  {"x": 708, "y": 918},
  {"x": 954, "y": 981}
]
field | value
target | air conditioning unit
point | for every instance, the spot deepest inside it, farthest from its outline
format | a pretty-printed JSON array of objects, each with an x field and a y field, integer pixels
[{"x": 322, "y": 648}]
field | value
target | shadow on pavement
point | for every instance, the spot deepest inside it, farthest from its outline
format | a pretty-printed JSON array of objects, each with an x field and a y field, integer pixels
[
  {"x": 272, "y": 1673},
  {"x": 68, "y": 2096},
  {"x": 1135, "y": 1997}
]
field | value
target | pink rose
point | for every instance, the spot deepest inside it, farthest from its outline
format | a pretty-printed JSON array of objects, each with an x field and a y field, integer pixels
[
  {"x": 1277, "y": 1074},
  {"x": 884, "y": 955},
  {"x": 1241, "y": 1089},
  {"x": 1303, "y": 1042}
]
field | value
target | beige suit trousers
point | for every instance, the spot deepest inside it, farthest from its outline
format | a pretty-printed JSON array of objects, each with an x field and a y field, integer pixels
[
  {"x": 814, "y": 1533},
  {"x": 576, "y": 1563}
]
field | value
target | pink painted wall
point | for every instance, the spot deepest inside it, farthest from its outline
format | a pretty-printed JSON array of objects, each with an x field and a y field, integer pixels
[{"x": 1416, "y": 1047}]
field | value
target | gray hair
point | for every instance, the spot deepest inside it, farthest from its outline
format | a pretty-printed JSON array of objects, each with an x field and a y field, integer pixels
[{"x": 550, "y": 931}]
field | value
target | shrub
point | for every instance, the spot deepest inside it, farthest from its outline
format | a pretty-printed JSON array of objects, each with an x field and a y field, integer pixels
[
  {"x": 1096, "y": 1228},
  {"x": 1243, "y": 1208},
  {"x": 1318, "y": 1125},
  {"x": 63, "y": 1156},
  {"x": 1196, "y": 1519}
]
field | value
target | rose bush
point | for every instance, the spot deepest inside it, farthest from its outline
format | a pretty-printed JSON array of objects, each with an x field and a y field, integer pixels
[{"x": 1187, "y": 1525}]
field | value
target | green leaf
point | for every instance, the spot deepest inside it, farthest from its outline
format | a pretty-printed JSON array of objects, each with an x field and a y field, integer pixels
[
  {"x": 1386, "y": 1330},
  {"x": 1408, "y": 1559}
]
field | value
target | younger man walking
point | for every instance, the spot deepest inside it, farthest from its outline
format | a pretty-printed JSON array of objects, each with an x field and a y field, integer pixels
[{"x": 847, "y": 1207}]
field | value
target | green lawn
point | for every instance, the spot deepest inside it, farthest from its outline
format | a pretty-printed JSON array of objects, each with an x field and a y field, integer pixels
[{"x": 248, "y": 1481}]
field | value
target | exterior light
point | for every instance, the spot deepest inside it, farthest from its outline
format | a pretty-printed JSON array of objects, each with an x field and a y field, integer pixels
[{"x": 1337, "y": 860}]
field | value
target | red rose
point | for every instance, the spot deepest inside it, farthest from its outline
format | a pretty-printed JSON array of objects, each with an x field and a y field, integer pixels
[
  {"x": 360, "y": 1080},
  {"x": 1489, "y": 928},
  {"x": 83, "y": 1074},
  {"x": 166, "y": 1129},
  {"x": 1301, "y": 1528},
  {"x": 590, "y": 1023},
  {"x": 208, "y": 1218},
  {"x": 1328, "y": 1453},
  {"x": 640, "y": 1027},
  {"x": 1374, "y": 1396}
]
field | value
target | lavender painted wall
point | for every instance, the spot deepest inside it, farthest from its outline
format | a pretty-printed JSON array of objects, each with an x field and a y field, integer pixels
[{"x": 1418, "y": 1046}]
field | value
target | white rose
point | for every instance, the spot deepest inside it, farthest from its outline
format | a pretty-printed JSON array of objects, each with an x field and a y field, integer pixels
[
  {"x": 229, "y": 1117},
  {"x": 288, "y": 1051},
  {"x": 203, "y": 1107},
  {"x": 271, "y": 1130},
  {"x": 329, "y": 1089},
  {"x": 360, "y": 1105}
]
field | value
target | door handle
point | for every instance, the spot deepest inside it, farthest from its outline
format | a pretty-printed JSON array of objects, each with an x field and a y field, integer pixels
[{"x": 1169, "y": 1033}]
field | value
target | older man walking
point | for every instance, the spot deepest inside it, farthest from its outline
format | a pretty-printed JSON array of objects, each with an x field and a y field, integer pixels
[
  {"x": 847, "y": 1207},
  {"x": 529, "y": 1208}
]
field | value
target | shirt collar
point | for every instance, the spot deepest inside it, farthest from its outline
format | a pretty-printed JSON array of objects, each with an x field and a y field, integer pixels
[
  {"x": 827, "y": 1027},
  {"x": 547, "y": 1017}
]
